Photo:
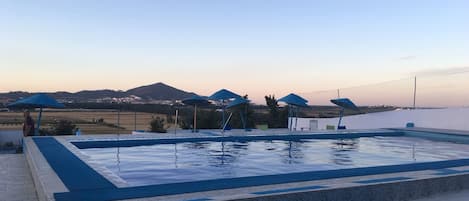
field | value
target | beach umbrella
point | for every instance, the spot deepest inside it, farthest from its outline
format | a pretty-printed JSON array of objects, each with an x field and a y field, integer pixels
[
  {"x": 195, "y": 100},
  {"x": 294, "y": 102},
  {"x": 223, "y": 95},
  {"x": 40, "y": 101},
  {"x": 293, "y": 99},
  {"x": 344, "y": 103}
]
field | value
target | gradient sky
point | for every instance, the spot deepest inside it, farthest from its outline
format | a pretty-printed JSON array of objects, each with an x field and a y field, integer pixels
[{"x": 254, "y": 47}]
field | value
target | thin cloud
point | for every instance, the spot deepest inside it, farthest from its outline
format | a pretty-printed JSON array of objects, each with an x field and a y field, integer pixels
[{"x": 442, "y": 71}]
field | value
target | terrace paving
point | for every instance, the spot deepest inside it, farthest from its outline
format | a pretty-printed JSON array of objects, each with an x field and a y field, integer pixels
[
  {"x": 16, "y": 183},
  {"x": 452, "y": 196}
]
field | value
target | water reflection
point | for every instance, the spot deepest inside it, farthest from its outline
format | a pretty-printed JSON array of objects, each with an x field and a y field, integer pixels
[
  {"x": 191, "y": 161},
  {"x": 294, "y": 150},
  {"x": 341, "y": 149},
  {"x": 227, "y": 153}
]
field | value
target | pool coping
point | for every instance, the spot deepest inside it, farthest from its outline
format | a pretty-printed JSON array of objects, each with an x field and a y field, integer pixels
[{"x": 48, "y": 191}]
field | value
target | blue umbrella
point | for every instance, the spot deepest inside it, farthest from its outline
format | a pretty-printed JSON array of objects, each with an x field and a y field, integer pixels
[
  {"x": 40, "y": 100},
  {"x": 344, "y": 103},
  {"x": 224, "y": 95},
  {"x": 195, "y": 100},
  {"x": 294, "y": 101}
]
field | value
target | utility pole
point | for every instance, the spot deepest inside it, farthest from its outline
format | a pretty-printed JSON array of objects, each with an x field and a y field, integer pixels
[
  {"x": 415, "y": 90},
  {"x": 338, "y": 93}
]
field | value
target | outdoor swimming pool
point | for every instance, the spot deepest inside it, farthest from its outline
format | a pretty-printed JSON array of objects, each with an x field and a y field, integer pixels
[
  {"x": 94, "y": 168},
  {"x": 210, "y": 160}
]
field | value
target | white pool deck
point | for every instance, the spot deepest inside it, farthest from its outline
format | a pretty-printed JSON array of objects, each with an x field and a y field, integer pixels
[{"x": 16, "y": 181}]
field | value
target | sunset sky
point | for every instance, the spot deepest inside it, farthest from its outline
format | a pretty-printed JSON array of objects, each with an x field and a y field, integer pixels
[{"x": 254, "y": 47}]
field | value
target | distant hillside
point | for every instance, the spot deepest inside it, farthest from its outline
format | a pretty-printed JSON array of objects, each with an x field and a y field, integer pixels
[
  {"x": 159, "y": 91},
  {"x": 155, "y": 92}
]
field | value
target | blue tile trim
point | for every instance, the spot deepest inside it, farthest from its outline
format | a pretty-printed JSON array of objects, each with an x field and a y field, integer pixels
[
  {"x": 371, "y": 181},
  {"x": 146, "y": 142},
  {"x": 74, "y": 173},
  {"x": 219, "y": 184},
  {"x": 288, "y": 190},
  {"x": 200, "y": 199},
  {"x": 450, "y": 171}
]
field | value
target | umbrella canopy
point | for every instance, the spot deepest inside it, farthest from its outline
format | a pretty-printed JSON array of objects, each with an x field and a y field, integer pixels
[
  {"x": 224, "y": 94},
  {"x": 36, "y": 101},
  {"x": 236, "y": 102},
  {"x": 345, "y": 103},
  {"x": 293, "y": 99},
  {"x": 195, "y": 100}
]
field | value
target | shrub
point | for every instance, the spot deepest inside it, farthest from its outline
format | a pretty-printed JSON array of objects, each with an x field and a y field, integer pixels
[
  {"x": 62, "y": 127},
  {"x": 157, "y": 125},
  {"x": 9, "y": 144}
]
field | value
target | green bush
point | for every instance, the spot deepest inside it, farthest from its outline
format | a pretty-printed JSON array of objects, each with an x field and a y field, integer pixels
[
  {"x": 62, "y": 127},
  {"x": 157, "y": 125}
]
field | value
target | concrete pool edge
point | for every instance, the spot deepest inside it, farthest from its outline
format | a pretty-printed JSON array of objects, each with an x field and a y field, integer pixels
[
  {"x": 260, "y": 197},
  {"x": 387, "y": 191},
  {"x": 45, "y": 180}
]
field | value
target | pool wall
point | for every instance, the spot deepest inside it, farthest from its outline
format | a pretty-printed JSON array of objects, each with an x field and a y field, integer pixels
[
  {"x": 386, "y": 191},
  {"x": 290, "y": 137},
  {"x": 46, "y": 181}
]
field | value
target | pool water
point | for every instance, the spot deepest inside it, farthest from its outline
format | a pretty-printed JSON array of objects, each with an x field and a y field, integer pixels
[{"x": 194, "y": 161}]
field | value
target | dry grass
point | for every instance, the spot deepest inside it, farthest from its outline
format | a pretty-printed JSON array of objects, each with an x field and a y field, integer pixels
[{"x": 85, "y": 120}]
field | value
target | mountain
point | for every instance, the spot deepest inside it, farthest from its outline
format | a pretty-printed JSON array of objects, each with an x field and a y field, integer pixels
[
  {"x": 159, "y": 91},
  {"x": 154, "y": 92}
]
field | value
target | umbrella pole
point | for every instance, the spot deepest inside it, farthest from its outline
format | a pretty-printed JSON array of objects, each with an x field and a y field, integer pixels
[
  {"x": 340, "y": 118},
  {"x": 296, "y": 118},
  {"x": 290, "y": 118},
  {"x": 223, "y": 113},
  {"x": 36, "y": 131},
  {"x": 195, "y": 118},
  {"x": 176, "y": 122}
]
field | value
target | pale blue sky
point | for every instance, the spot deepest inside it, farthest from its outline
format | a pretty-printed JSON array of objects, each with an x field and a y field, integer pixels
[{"x": 249, "y": 46}]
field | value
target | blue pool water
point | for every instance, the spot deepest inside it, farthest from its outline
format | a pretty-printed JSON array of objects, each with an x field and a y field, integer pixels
[{"x": 195, "y": 161}]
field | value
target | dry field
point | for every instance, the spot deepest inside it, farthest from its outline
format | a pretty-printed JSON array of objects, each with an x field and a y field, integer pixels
[{"x": 86, "y": 120}]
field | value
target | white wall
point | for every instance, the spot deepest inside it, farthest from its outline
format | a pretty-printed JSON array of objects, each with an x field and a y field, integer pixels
[
  {"x": 448, "y": 118},
  {"x": 13, "y": 136}
]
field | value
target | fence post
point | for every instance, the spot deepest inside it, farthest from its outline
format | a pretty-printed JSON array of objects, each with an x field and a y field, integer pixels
[{"x": 135, "y": 120}]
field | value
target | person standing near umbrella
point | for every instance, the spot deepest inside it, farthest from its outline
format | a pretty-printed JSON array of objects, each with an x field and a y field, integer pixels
[{"x": 28, "y": 125}]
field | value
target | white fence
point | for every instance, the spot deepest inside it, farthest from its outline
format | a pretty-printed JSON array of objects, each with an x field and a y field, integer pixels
[
  {"x": 11, "y": 136},
  {"x": 448, "y": 118}
]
